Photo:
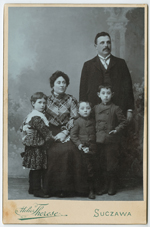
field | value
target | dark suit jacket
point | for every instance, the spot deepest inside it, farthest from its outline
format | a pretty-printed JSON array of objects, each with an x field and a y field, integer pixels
[
  {"x": 92, "y": 77},
  {"x": 83, "y": 132},
  {"x": 108, "y": 118}
]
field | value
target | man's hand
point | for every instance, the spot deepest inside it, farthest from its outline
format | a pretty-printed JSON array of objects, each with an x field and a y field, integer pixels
[{"x": 129, "y": 116}]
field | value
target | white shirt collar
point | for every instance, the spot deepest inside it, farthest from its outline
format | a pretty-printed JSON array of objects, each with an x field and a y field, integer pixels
[{"x": 101, "y": 57}]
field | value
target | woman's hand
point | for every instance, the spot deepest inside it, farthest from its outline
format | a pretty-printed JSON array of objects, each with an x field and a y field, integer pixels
[
  {"x": 60, "y": 136},
  {"x": 28, "y": 129}
]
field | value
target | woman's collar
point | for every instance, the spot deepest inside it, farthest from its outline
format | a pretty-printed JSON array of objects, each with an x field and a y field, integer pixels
[{"x": 58, "y": 96}]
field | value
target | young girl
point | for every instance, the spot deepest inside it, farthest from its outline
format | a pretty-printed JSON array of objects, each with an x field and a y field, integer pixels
[{"x": 35, "y": 156}]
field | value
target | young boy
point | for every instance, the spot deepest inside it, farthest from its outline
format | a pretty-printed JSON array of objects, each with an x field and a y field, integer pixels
[
  {"x": 110, "y": 122},
  {"x": 35, "y": 156},
  {"x": 83, "y": 136}
]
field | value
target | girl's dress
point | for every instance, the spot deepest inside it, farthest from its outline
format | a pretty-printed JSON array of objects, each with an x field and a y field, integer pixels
[
  {"x": 65, "y": 167},
  {"x": 35, "y": 155}
]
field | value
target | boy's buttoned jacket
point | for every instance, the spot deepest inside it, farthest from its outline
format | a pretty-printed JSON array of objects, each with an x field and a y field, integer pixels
[
  {"x": 84, "y": 133},
  {"x": 108, "y": 118}
]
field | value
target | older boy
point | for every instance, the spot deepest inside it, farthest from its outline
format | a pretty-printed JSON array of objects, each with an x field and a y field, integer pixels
[{"x": 110, "y": 122}]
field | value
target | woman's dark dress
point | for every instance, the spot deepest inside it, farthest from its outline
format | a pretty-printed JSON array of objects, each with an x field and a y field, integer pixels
[{"x": 65, "y": 168}]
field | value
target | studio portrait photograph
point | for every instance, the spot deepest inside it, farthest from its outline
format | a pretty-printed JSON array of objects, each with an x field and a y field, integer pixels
[{"x": 75, "y": 114}]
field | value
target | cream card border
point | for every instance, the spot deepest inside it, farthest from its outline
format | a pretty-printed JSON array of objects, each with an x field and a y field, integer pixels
[{"x": 74, "y": 212}]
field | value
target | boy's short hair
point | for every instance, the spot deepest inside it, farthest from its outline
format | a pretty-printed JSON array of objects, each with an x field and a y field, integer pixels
[
  {"x": 78, "y": 105},
  {"x": 107, "y": 86},
  {"x": 37, "y": 95}
]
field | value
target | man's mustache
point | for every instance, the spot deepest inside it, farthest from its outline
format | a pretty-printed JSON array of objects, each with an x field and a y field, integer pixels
[{"x": 106, "y": 48}]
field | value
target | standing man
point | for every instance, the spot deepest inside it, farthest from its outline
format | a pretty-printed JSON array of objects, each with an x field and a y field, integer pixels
[{"x": 107, "y": 69}]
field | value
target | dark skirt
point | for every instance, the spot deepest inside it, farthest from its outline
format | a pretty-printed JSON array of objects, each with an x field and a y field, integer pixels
[{"x": 66, "y": 171}]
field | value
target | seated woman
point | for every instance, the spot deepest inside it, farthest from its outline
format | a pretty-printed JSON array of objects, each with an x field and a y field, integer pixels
[{"x": 63, "y": 176}]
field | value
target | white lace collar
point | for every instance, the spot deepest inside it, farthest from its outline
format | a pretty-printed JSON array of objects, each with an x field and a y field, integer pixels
[{"x": 39, "y": 114}]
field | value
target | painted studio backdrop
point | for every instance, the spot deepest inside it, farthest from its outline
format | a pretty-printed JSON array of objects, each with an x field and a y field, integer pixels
[{"x": 42, "y": 40}]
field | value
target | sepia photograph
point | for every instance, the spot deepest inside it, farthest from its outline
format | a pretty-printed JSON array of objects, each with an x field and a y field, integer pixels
[{"x": 75, "y": 114}]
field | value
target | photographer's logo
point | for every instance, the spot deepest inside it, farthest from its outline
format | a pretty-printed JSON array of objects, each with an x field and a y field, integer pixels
[{"x": 36, "y": 211}]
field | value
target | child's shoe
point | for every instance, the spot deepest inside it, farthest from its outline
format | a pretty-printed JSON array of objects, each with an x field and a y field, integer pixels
[
  {"x": 91, "y": 195},
  {"x": 36, "y": 184}
]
